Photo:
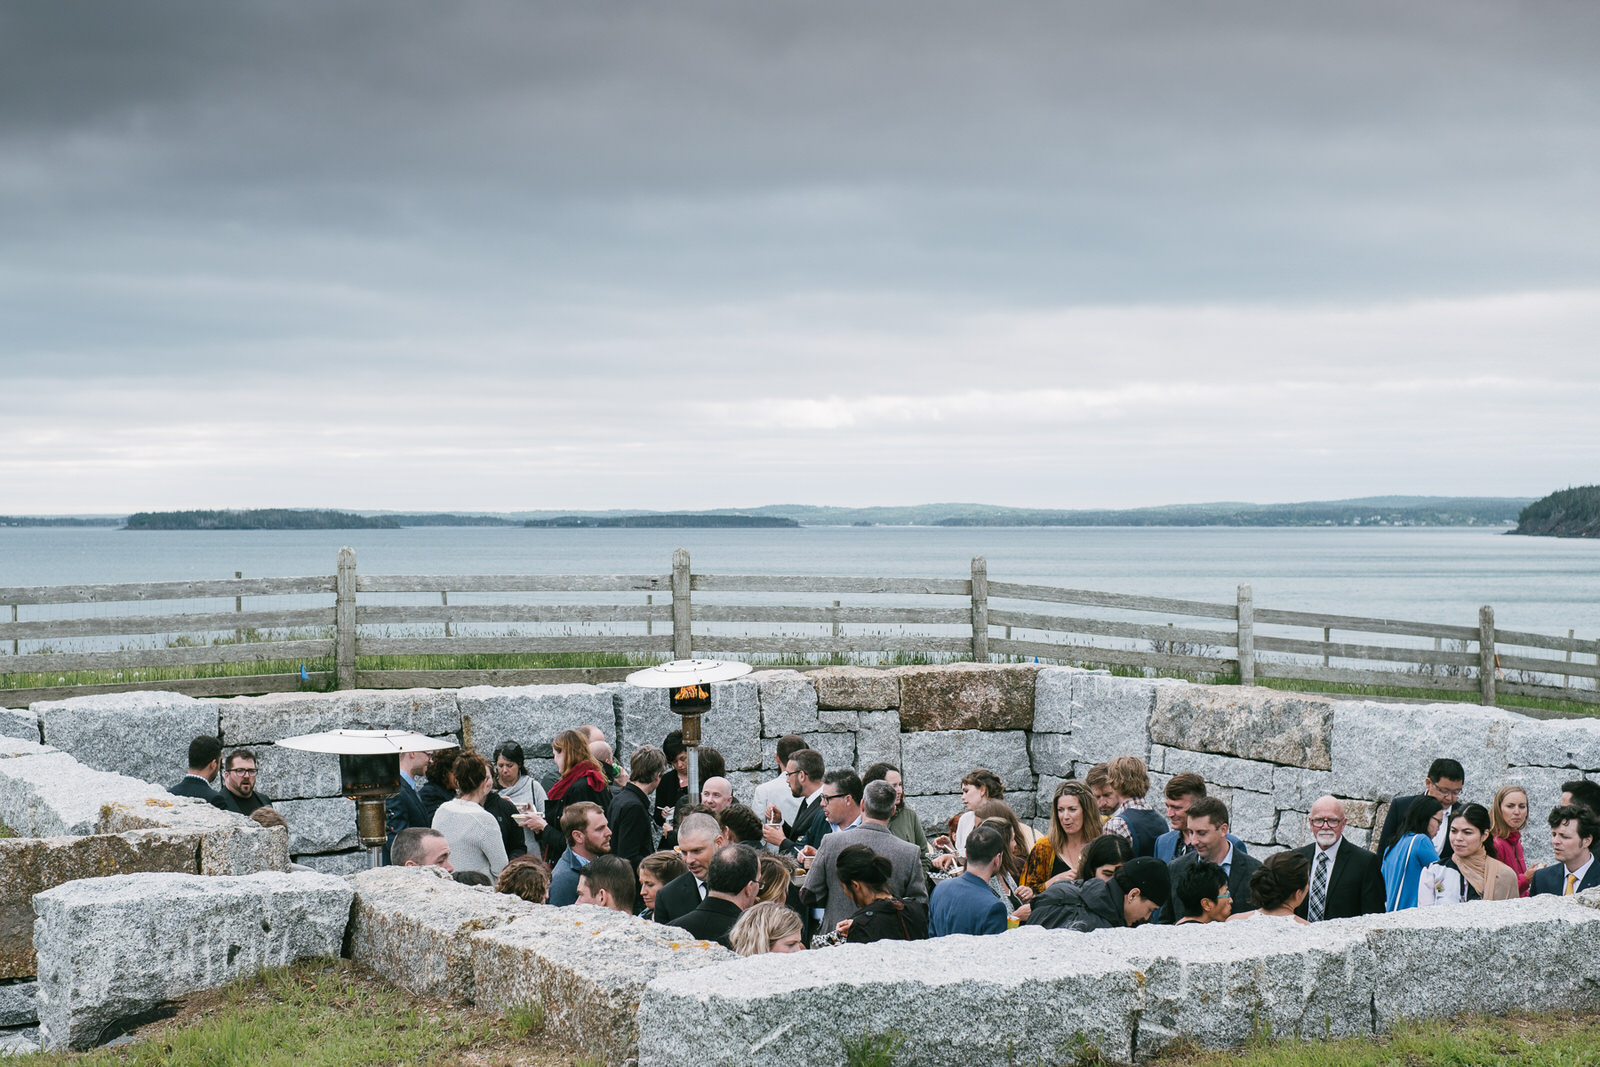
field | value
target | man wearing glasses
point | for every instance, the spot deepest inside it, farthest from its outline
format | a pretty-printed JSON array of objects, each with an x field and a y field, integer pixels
[
  {"x": 239, "y": 784},
  {"x": 1444, "y": 783},
  {"x": 841, "y": 806},
  {"x": 1346, "y": 880}
]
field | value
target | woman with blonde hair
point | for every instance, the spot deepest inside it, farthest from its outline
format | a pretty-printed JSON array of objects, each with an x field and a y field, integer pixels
[
  {"x": 1507, "y": 817},
  {"x": 582, "y": 779},
  {"x": 776, "y": 878},
  {"x": 1076, "y": 822},
  {"x": 766, "y": 927}
]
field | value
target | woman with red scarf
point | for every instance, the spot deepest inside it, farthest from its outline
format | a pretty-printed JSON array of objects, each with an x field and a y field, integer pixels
[{"x": 581, "y": 780}]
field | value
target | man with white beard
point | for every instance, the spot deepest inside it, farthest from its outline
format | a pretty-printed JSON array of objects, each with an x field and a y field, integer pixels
[{"x": 1346, "y": 880}]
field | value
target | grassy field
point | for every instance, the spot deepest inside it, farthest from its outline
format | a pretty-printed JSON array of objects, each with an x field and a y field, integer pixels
[{"x": 327, "y": 1013}]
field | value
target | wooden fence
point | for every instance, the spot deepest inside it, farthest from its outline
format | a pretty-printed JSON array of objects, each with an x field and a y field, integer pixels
[{"x": 346, "y": 623}]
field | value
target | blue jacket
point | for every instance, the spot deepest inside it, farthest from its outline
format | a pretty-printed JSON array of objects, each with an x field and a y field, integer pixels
[
  {"x": 564, "y": 879},
  {"x": 1553, "y": 880},
  {"x": 965, "y": 905},
  {"x": 1147, "y": 826},
  {"x": 1167, "y": 846},
  {"x": 401, "y": 812}
]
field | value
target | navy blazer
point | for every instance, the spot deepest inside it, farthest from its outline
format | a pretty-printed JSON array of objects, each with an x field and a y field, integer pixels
[
  {"x": 1553, "y": 880},
  {"x": 401, "y": 812},
  {"x": 631, "y": 836},
  {"x": 192, "y": 786},
  {"x": 965, "y": 905}
]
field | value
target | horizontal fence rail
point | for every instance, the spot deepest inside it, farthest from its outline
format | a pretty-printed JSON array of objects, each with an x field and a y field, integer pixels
[{"x": 253, "y": 635}]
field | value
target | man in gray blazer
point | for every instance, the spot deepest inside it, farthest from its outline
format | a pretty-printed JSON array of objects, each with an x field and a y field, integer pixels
[{"x": 823, "y": 889}]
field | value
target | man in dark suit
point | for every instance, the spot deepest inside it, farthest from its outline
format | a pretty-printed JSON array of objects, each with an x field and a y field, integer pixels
[
  {"x": 239, "y": 784},
  {"x": 405, "y": 809},
  {"x": 1208, "y": 836},
  {"x": 205, "y": 757},
  {"x": 804, "y": 772},
  {"x": 1346, "y": 880},
  {"x": 841, "y": 806},
  {"x": 631, "y": 826},
  {"x": 1573, "y": 829},
  {"x": 697, "y": 843},
  {"x": 732, "y": 882},
  {"x": 1444, "y": 783}
]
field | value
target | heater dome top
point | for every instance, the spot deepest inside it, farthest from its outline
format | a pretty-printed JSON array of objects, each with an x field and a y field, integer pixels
[
  {"x": 687, "y": 672},
  {"x": 365, "y": 742}
]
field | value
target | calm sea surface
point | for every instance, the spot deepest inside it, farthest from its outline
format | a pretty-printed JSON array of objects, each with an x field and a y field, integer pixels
[{"x": 1429, "y": 574}]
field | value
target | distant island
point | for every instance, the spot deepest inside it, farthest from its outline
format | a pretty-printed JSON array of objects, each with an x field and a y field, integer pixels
[
  {"x": 257, "y": 519},
  {"x": 698, "y": 521},
  {"x": 58, "y": 520},
  {"x": 1567, "y": 513}
]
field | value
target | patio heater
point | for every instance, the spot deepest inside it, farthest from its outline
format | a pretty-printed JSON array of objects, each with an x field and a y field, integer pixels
[
  {"x": 688, "y": 685},
  {"x": 369, "y": 773}
]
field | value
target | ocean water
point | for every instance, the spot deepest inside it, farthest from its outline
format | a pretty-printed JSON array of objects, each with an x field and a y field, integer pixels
[{"x": 1418, "y": 573}]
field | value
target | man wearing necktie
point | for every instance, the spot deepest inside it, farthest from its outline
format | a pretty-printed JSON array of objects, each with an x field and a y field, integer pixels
[
  {"x": 1346, "y": 879},
  {"x": 1572, "y": 833}
]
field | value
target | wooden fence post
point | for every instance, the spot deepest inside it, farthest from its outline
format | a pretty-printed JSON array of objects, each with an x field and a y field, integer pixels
[
  {"x": 238, "y": 609},
  {"x": 15, "y": 642},
  {"x": 980, "y": 609},
  {"x": 1486, "y": 655},
  {"x": 344, "y": 621},
  {"x": 682, "y": 645},
  {"x": 1247, "y": 636},
  {"x": 1566, "y": 679}
]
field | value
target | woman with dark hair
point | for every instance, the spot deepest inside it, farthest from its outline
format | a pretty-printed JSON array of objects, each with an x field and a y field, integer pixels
[
  {"x": 1102, "y": 858},
  {"x": 879, "y": 916},
  {"x": 977, "y": 786},
  {"x": 1006, "y": 881},
  {"x": 582, "y": 779},
  {"x": 1410, "y": 852},
  {"x": 440, "y": 787},
  {"x": 1055, "y": 858},
  {"x": 1278, "y": 887},
  {"x": 657, "y": 870},
  {"x": 473, "y": 834},
  {"x": 674, "y": 783},
  {"x": 521, "y": 791},
  {"x": 1469, "y": 872}
]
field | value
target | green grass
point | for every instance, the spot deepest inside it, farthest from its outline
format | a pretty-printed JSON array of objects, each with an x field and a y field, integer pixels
[{"x": 320, "y": 1013}]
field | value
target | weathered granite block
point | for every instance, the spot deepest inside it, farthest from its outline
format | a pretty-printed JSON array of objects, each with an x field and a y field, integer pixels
[
  {"x": 294, "y": 774},
  {"x": 532, "y": 715},
  {"x": 1293, "y": 829},
  {"x": 967, "y": 696},
  {"x": 856, "y": 688},
  {"x": 30, "y": 865},
  {"x": 1383, "y": 750},
  {"x": 20, "y": 723},
  {"x": 1224, "y": 986},
  {"x": 142, "y": 735},
  {"x": 1488, "y": 958},
  {"x": 1246, "y": 721},
  {"x": 935, "y": 760},
  {"x": 1111, "y": 716},
  {"x": 230, "y": 844},
  {"x": 788, "y": 703},
  {"x": 838, "y": 750},
  {"x": 643, "y": 716},
  {"x": 1296, "y": 787},
  {"x": 586, "y": 967},
  {"x": 411, "y": 925},
  {"x": 1053, "y": 754},
  {"x": 934, "y": 810},
  {"x": 50, "y": 794},
  {"x": 114, "y": 947},
  {"x": 733, "y": 725},
  {"x": 1253, "y": 817},
  {"x": 957, "y": 997},
  {"x": 19, "y": 1001},
  {"x": 321, "y": 825},
  {"x": 337, "y": 863},
  {"x": 1216, "y": 770},
  {"x": 1043, "y": 796},
  {"x": 839, "y": 720},
  {"x": 1571, "y": 743},
  {"x": 257, "y": 720},
  {"x": 20, "y": 1042},
  {"x": 1052, "y": 699},
  {"x": 879, "y": 738}
]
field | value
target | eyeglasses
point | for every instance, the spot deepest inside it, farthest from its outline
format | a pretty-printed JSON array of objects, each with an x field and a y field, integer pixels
[
  {"x": 1327, "y": 823},
  {"x": 835, "y": 796},
  {"x": 1447, "y": 794},
  {"x": 244, "y": 772}
]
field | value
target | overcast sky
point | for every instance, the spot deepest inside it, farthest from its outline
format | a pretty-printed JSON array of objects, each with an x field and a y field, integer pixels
[{"x": 503, "y": 256}]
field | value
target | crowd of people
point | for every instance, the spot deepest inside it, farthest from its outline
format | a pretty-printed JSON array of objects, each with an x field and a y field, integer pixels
[{"x": 825, "y": 855}]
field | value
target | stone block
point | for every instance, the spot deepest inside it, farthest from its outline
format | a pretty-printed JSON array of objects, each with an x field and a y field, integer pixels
[
  {"x": 142, "y": 735},
  {"x": 1361, "y": 813},
  {"x": 1293, "y": 829},
  {"x": 733, "y": 725},
  {"x": 13, "y": 747},
  {"x": 1296, "y": 787},
  {"x": 788, "y": 703},
  {"x": 1111, "y": 716},
  {"x": 230, "y": 844},
  {"x": 1052, "y": 699},
  {"x": 856, "y": 688},
  {"x": 1573, "y": 743},
  {"x": 1224, "y": 986},
  {"x": 321, "y": 825},
  {"x": 110, "y": 948},
  {"x": 20, "y": 1042},
  {"x": 20, "y": 723},
  {"x": 294, "y": 774},
  {"x": 258, "y": 720},
  {"x": 935, "y": 760},
  {"x": 30, "y": 865},
  {"x": 50, "y": 794},
  {"x": 967, "y": 696},
  {"x": 1043, "y": 796},
  {"x": 934, "y": 811},
  {"x": 957, "y": 998},
  {"x": 643, "y": 716},
  {"x": 336, "y": 863},
  {"x": 879, "y": 738},
  {"x": 411, "y": 925},
  {"x": 1217, "y": 770},
  {"x": 1053, "y": 755},
  {"x": 838, "y": 750},
  {"x": 1245, "y": 721},
  {"x": 1383, "y": 750},
  {"x": 587, "y": 968},
  {"x": 19, "y": 1001},
  {"x": 1488, "y": 959},
  {"x": 839, "y": 720},
  {"x": 532, "y": 715}
]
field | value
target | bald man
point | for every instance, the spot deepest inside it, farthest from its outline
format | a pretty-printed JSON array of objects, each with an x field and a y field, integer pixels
[
  {"x": 1346, "y": 880},
  {"x": 717, "y": 794}
]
